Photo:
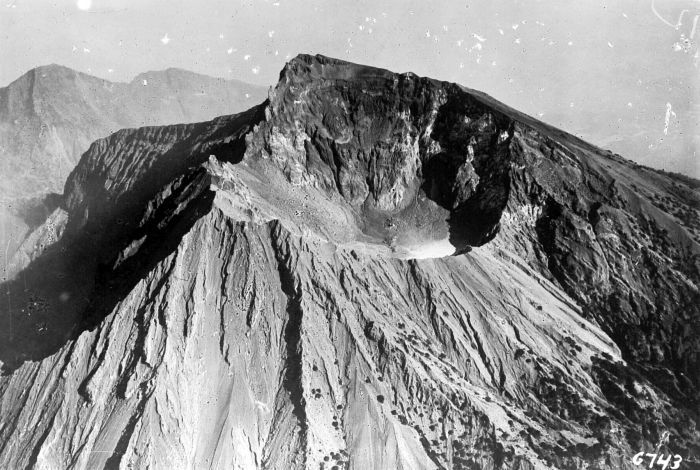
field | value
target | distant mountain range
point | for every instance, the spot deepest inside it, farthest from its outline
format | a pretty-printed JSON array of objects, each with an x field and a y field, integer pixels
[{"x": 51, "y": 114}]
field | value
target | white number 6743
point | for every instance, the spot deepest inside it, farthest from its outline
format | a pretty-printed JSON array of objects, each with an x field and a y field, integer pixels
[{"x": 660, "y": 460}]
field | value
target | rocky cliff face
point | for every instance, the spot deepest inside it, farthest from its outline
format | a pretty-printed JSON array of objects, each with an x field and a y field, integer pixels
[{"x": 369, "y": 270}]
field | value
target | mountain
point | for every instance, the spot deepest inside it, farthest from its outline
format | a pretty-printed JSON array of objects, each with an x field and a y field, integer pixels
[
  {"x": 50, "y": 115},
  {"x": 368, "y": 270}
]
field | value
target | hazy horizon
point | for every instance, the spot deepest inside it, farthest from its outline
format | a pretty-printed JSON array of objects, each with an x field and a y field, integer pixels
[{"x": 621, "y": 74}]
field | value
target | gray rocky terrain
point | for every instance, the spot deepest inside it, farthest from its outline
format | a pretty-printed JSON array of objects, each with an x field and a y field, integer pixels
[
  {"x": 50, "y": 116},
  {"x": 369, "y": 270}
]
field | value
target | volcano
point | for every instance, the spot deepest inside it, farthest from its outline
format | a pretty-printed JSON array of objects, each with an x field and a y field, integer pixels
[{"x": 369, "y": 270}]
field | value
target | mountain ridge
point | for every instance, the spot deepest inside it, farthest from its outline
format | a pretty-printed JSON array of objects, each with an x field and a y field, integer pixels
[
  {"x": 383, "y": 270},
  {"x": 51, "y": 114}
]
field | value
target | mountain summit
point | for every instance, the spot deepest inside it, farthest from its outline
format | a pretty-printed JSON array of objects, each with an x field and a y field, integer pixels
[{"x": 369, "y": 270}]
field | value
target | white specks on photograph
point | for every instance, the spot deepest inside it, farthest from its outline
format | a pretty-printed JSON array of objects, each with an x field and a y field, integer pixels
[
  {"x": 610, "y": 45},
  {"x": 246, "y": 57},
  {"x": 255, "y": 70},
  {"x": 84, "y": 5},
  {"x": 165, "y": 39},
  {"x": 230, "y": 50},
  {"x": 145, "y": 82},
  {"x": 667, "y": 118},
  {"x": 478, "y": 37},
  {"x": 270, "y": 34}
]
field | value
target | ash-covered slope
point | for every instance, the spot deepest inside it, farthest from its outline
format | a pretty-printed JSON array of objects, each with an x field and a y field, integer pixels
[{"x": 274, "y": 290}]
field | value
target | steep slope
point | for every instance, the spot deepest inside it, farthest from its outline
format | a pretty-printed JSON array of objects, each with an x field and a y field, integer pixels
[
  {"x": 50, "y": 115},
  {"x": 274, "y": 290}
]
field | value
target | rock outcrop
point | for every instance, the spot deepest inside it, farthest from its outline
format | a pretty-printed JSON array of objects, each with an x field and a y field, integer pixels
[{"x": 369, "y": 270}]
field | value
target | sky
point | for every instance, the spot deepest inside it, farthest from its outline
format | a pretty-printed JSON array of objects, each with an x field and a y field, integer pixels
[{"x": 621, "y": 73}]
